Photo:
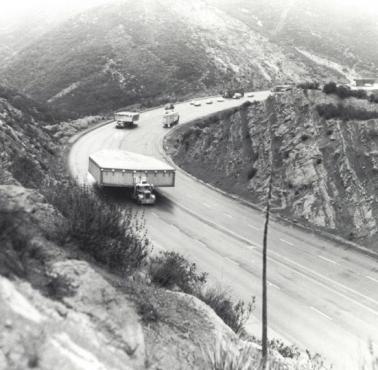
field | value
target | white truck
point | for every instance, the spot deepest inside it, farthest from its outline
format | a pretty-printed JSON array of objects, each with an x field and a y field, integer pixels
[
  {"x": 170, "y": 119},
  {"x": 118, "y": 168},
  {"x": 126, "y": 119}
]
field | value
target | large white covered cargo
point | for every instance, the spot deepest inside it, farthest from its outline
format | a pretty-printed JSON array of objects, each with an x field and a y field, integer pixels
[{"x": 125, "y": 169}]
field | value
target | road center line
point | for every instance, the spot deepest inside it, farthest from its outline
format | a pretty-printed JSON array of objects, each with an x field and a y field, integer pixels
[
  {"x": 314, "y": 276},
  {"x": 320, "y": 313},
  {"x": 371, "y": 278},
  {"x": 207, "y": 205},
  {"x": 255, "y": 227},
  {"x": 230, "y": 260},
  {"x": 274, "y": 285},
  {"x": 328, "y": 260},
  {"x": 287, "y": 242},
  {"x": 226, "y": 214}
]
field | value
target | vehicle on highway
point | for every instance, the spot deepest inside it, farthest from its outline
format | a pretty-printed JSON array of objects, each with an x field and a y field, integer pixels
[
  {"x": 237, "y": 96},
  {"x": 281, "y": 88},
  {"x": 209, "y": 102},
  {"x": 250, "y": 95},
  {"x": 169, "y": 106},
  {"x": 126, "y": 119},
  {"x": 220, "y": 100},
  {"x": 230, "y": 93},
  {"x": 196, "y": 103},
  {"x": 119, "y": 168},
  {"x": 170, "y": 119}
]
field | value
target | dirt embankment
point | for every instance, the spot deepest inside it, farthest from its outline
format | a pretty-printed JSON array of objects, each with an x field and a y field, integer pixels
[{"x": 324, "y": 171}]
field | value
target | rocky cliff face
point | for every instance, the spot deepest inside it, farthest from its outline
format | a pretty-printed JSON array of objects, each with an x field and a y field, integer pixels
[{"x": 324, "y": 171}]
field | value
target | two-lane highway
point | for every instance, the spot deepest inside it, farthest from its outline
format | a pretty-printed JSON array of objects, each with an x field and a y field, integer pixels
[{"x": 322, "y": 296}]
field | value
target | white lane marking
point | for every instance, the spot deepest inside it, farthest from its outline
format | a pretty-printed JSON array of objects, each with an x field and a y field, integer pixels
[
  {"x": 287, "y": 242},
  {"x": 207, "y": 205},
  {"x": 320, "y": 313},
  {"x": 154, "y": 214},
  {"x": 317, "y": 280},
  {"x": 255, "y": 227},
  {"x": 371, "y": 278},
  {"x": 250, "y": 246},
  {"x": 226, "y": 214},
  {"x": 274, "y": 285},
  {"x": 232, "y": 261},
  {"x": 328, "y": 260}
]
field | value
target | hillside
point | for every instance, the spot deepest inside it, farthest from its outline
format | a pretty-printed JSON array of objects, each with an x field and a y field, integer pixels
[
  {"x": 324, "y": 170},
  {"x": 150, "y": 51},
  {"x": 338, "y": 34}
]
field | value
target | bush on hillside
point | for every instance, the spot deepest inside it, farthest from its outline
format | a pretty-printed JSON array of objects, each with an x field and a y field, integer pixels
[
  {"x": 308, "y": 85},
  {"x": 344, "y": 92},
  {"x": 235, "y": 315},
  {"x": 373, "y": 98},
  {"x": 346, "y": 113},
  {"x": 171, "y": 269},
  {"x": 112, "y": 235},
  {"x": 26, "y": 171},
  {"x": 330, "y": 88}
]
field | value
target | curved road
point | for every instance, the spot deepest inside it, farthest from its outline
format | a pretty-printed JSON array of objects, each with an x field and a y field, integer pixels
[{"x": 322, "y": 296}]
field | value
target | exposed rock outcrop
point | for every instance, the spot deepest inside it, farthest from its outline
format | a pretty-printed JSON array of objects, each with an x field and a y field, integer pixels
[{"x": 324, "y": 171}]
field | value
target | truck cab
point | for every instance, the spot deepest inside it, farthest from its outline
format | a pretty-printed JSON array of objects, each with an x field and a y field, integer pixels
[{"x": 144, "y": 193}]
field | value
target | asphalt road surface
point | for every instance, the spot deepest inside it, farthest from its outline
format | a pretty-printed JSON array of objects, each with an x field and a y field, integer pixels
[{"x": 322, "y": 296}]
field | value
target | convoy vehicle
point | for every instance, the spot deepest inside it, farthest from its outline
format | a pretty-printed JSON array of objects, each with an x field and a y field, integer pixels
[
  {"x": 141, "y": 173},
  {"x": 230, "y": 93},
  {"x": 196, "y": 103},
  {"x": 250, "y": 95},
  {"x": 169, "y": 106},
  {"x": 209, "y": 101},
  {"x": 220, "y": 100},
  {"x": 170, "y": 119},
  {"x": 237, "y": 96},
  {"x": 126, "y": 119},
  {"x": 281, "y": 88}
]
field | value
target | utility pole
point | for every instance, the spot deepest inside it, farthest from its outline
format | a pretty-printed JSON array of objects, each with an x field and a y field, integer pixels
[
  {"x": 264, "y": 336},
  {"x": 264, "y": 281}
]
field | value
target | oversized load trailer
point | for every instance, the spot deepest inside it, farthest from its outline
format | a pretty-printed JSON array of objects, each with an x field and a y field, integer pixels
[
  {"x": 126, "y": 119},
  {"x": 124, "y": 169},
  {"x": 119, "y": 168}
]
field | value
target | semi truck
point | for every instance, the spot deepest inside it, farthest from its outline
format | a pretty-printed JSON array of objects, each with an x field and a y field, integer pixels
[
  {"x": 126, "y": 119},
  {"x": 141, "y": 173},
  {"x": 170, "y": 119}
]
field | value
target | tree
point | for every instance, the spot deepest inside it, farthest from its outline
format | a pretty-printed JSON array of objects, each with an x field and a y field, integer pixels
[{"x": 330, "y": 88}]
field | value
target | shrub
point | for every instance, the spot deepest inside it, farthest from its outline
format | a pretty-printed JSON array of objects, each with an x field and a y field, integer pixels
[
  {"x": 330, "y": 88},
  {"x": 345, "y": 113},
  {"x": 171, "y": 269},
  {"x": 309, "y": 85},
  {"x": 26, "y": 172},
  {"x": 113, "y": 235},
  {"x": 251, "y": 173},
  {"x": 373, "y": 98},
  {"x": 235, "y": 315}
]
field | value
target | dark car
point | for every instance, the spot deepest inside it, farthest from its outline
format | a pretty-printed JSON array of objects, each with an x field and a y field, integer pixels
[{"x": 169, "y": 106}]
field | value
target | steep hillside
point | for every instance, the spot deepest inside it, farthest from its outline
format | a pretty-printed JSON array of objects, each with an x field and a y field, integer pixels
[
  {"x": 148, "y": 51},
  {"x": 341, "y": 32},
  {"x": 325, "y": 171}
]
